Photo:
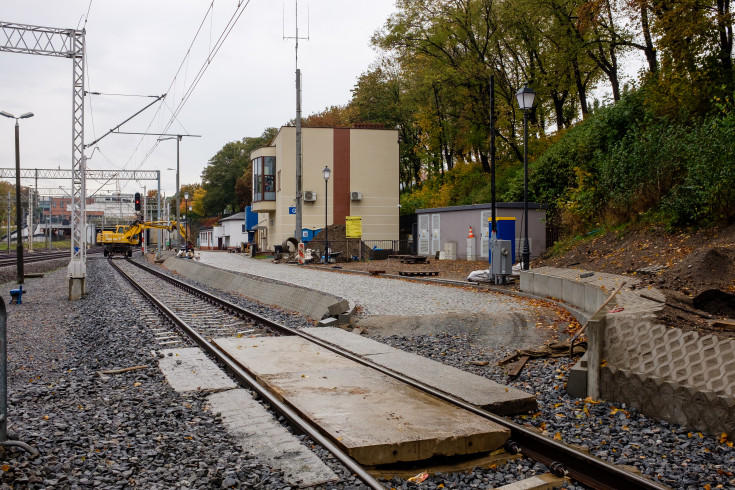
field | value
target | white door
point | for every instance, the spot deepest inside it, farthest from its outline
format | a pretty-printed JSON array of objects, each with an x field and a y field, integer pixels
[
  {"x": 485, "y": 216},
  {"x": 423, "y": 234},
  {"x": 435, "y": 243}
]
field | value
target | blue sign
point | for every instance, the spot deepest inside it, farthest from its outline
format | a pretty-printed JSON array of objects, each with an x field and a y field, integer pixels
[{"x": 292, "y": 210}]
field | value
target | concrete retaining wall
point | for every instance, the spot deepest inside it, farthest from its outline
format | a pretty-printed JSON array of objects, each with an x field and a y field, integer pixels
[
  {"x": 314, "y": 304},
  {"x": 682, "y": 377}
]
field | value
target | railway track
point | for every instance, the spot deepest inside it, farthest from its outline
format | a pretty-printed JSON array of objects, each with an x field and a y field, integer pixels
[
  {"x": 11, "y": 259},
  {"x": 183, "y": 305}
]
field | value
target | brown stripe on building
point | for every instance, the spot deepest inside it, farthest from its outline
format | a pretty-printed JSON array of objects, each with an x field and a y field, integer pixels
[{"x": 341, "y": 175}]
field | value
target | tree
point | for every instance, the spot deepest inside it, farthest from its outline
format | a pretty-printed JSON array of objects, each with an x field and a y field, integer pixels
[{"x": 219, "y": 177}]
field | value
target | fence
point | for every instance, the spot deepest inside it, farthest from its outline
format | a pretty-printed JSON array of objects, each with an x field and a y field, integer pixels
[{"x": 371, "y": 249}]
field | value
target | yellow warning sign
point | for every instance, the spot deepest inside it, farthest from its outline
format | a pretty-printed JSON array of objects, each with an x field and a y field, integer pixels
[{"x": 354, "y": 226}]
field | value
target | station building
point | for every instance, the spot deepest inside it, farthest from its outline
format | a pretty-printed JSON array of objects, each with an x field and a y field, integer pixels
[{"x": 364, "y": 182}]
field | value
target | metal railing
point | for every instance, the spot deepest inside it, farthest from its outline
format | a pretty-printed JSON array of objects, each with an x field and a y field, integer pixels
[{"x": 351, "y": 249}]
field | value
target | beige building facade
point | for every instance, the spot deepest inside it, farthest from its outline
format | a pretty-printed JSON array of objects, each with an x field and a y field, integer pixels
[{"x": 364, "y": 182}]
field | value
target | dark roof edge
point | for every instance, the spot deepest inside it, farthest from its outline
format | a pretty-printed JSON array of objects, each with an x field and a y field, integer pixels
[{"x": 470, "y": 207}]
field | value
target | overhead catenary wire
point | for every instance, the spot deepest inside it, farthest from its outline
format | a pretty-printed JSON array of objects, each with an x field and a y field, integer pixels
[
  {"x": 171, "y": 86},
  {"x": 205, "y": 65},
  {"x": 187, "y": 90}
]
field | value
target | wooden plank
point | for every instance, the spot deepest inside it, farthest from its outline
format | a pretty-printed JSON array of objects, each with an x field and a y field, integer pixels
[
  {"x": 726, "y": 323},
  {"x": 373, "y": 417},
  {"x": 515, "y": 368}
]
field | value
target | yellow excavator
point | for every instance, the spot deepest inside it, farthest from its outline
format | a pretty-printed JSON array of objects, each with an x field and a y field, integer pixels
[{"x": 125, "y": 237}]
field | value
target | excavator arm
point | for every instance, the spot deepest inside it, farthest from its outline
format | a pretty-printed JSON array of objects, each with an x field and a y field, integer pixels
[{"x": 137, "y": 227}]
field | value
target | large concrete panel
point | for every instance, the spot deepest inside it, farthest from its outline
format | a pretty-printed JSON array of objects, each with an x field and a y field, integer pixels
[
  {"x": 471, "y": 388},
  {"x": 189, "y": 369},
  {"x": 262, "y": 437},
  {"x": 373, "y": 417}
]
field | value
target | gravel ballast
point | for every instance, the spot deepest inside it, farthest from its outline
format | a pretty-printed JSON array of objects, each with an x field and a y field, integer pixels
[
  {"x": 128, "y": 430},
  {"x": 132, "y": 429}
]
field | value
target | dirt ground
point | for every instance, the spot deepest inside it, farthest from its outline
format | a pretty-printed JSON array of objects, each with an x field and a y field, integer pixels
[{"x": 695, "y": 270}]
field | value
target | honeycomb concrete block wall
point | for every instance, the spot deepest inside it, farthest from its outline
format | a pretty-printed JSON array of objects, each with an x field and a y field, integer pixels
[
  {"x": 658, "y": 398},
  {"x": 666, "y": 373},
  {"x": 315, "y": 304}
]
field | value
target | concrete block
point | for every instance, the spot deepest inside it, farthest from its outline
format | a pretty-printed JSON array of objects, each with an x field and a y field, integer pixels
[
  {"x": 450, "y": 250},
  {"x": 526, "y": 281},
  {"x": 373, "y": 417},
  {"x": 567, "y": 291},
  {"x": 547, "y": 481},
  {"x": 577, "y": 379},
  {"x": 469, "y": 387},
  {"x": 578, "y": 290},
  {"x": 328, "y": 322},
  {"x": 591, "y": 298},
  {"x": 189, "y": 369},
  {"x": 555, "y": 287},
  {"x": 541, "y": 285},
  {"x": 338, "y": 307},
  {"x": 261, "y": 436}
]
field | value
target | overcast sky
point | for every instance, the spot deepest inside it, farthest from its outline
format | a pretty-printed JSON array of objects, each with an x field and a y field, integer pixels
[{"x": 135, "y": 47}]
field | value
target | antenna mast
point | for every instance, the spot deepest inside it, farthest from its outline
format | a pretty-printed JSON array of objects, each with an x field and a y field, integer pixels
[{"x": 299, "y": 192}]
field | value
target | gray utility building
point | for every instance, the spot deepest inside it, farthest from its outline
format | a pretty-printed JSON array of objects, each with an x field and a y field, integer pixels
[{"x": 447, "y": 229}]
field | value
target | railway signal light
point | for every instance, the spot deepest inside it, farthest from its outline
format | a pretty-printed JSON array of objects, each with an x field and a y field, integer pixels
[{"x": 137, "y": 201}]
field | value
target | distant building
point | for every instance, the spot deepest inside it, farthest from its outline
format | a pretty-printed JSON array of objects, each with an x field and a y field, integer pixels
[
  {"x": 438, "y": 227},
  {"x": 231, "y": 232},
  {"x": 364, "y": 182}
]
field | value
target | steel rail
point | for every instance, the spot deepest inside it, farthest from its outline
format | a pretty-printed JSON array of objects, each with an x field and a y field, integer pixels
[
  {"x": 558, "y": 457},
  {"x": 245, "y": 377},
  {"x": 42, "y": 256}
]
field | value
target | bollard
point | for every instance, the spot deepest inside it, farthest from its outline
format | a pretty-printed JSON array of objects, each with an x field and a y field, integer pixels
[
  {"x": 4, "y": 385},
  {"x": 16, "y": 295}
]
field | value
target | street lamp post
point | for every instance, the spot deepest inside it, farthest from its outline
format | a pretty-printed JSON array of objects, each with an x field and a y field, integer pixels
[
  {"x": 18, "y": 214},
  {"x": 326, "y": 172},
  {"x": 186, "y": 230},
  {"x": 178, "y": 199},
  {"x": 525, "y": 98}
]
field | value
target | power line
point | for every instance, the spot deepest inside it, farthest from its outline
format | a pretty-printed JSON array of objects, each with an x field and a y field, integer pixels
[{"x": 239, "y": 10}]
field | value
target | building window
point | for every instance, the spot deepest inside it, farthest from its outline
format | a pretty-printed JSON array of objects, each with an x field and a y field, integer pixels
[{"x": 264, "y": 179}]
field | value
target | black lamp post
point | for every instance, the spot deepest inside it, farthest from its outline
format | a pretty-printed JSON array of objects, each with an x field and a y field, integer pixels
[
  {"x": 18, "y": 214},
  {"x": 326, "y": 172},
  {"x": 525, "y": 98}
]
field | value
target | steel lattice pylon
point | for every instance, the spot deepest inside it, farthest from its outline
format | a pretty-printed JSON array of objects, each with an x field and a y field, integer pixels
[{"x": 66, "y": 43}]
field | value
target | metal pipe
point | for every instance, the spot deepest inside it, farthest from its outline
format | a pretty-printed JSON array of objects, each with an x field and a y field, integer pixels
[{"x": 4, "y": 385}]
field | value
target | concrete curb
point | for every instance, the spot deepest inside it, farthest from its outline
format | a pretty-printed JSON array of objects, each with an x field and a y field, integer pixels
[
  {"x": 314, "y": 304},
  {"x": 682, "y": 377}
]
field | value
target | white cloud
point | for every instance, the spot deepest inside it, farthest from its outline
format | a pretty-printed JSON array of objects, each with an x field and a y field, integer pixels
[{"x": 136, "y": 46}]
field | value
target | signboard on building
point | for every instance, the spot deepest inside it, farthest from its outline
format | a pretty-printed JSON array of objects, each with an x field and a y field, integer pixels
[
  {"x": 353, "y": 226},
  {"x": 292, "y": 210}
]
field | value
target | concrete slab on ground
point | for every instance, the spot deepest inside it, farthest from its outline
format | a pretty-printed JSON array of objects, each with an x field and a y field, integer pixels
[
  {"x": 260, "y": 436},
  {"x": 471, "y": 388},
  {"x": 374, "y": 418},
  {"x": 188, "y": 369},
  {"x": 546, "y": 481}
]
